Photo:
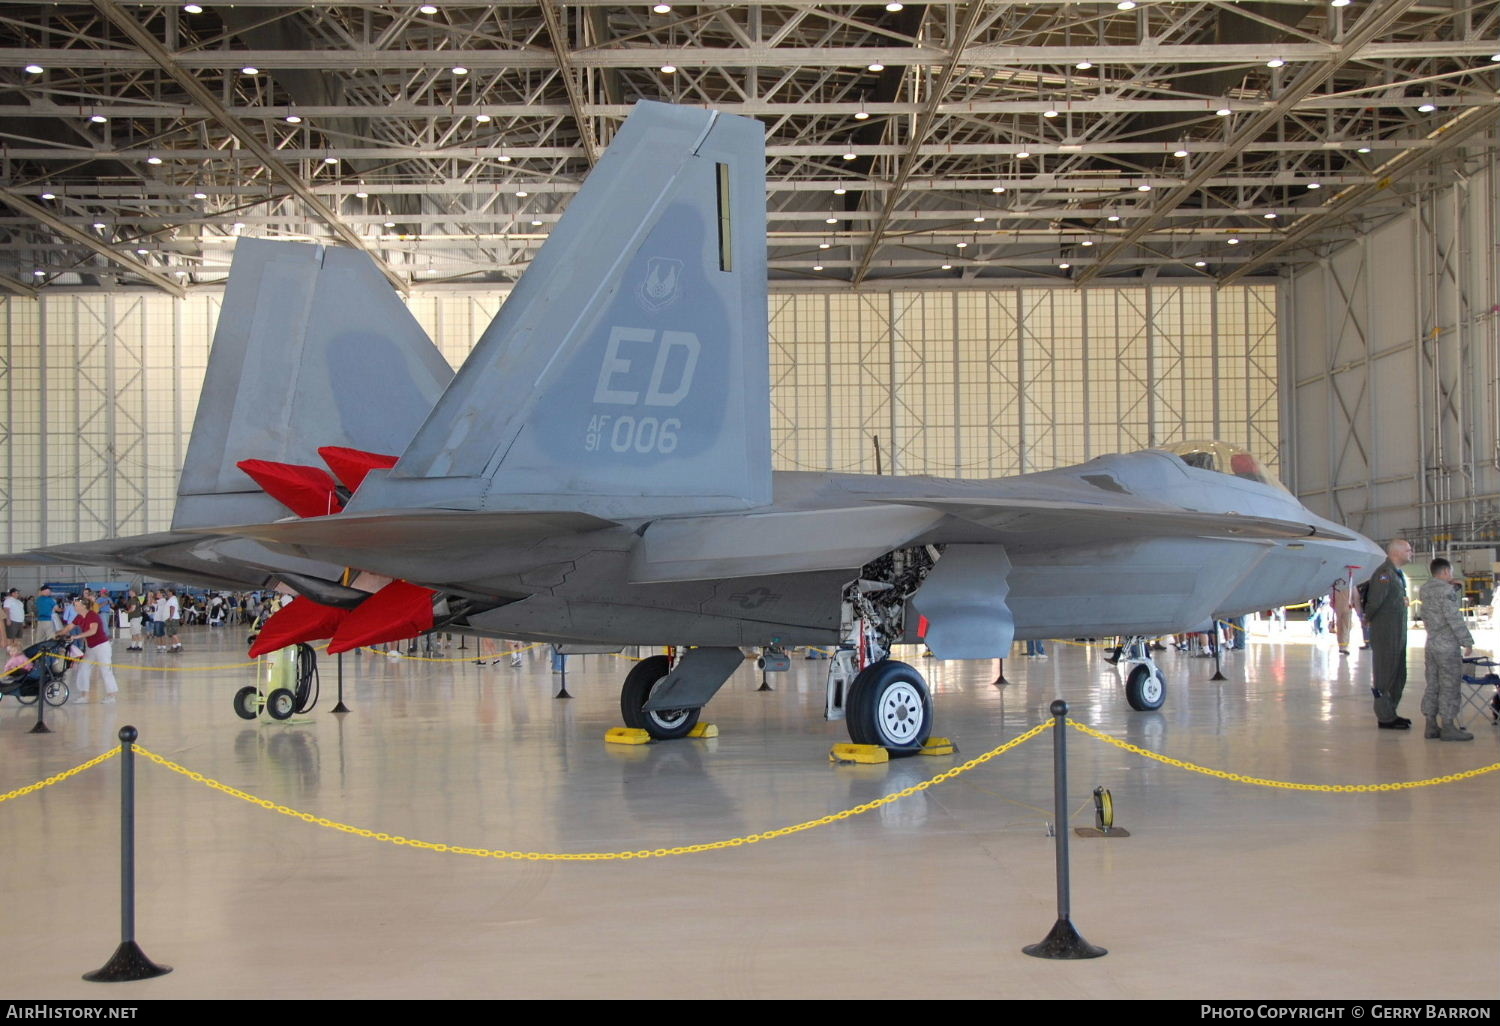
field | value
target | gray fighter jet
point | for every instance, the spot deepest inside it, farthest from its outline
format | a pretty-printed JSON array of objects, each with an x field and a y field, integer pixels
[{"x": 598, "y": 473}]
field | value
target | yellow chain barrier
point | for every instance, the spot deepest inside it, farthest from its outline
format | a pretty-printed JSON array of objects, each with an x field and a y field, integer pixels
[
  {"x": 735, "y": 842},
  {"x": 1286, "y": 785},
  {"x": 59, "y": 777},
  {"x": 432, "y": 659},
  {"x": 157, "y": 669},
  {"x": 599, "y": 856},
  {"x": 255, "y": 662}
]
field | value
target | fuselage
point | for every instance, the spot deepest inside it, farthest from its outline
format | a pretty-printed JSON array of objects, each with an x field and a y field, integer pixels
[{"x": 1080, "y": 583}]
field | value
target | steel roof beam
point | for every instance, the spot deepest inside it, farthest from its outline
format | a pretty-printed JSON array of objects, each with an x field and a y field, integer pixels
[
  {"x": 67, "y": 231},
  {"x": 984, "y": 55},
  {"x": 396, "y": 112},
  {"x": 1449, "y": 138},
  {"x": 912, "y": 153},
  {"x": 264, "y": 153},
  {"x": 11, "y": 285},
  {"x": 577, "y": 101},
  {"x": 1375, "y": 21}
]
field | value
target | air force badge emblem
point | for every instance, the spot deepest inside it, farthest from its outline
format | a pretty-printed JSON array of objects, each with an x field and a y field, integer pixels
[{"x": 662, "y": 284}]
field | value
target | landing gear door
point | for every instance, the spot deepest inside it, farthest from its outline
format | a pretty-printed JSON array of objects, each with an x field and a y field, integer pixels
[{"x": 963, "y": 599}]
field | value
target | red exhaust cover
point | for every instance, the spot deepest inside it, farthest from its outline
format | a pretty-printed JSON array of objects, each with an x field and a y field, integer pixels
[
  {"x": 306, "y": 491},
  {"x": 394, "y": 613},
  {"x": 299, "y": 620},
  {"x": 351, "y": 465}
]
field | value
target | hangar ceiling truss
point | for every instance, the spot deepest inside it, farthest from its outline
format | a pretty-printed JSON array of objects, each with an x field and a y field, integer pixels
[{"x": 965, "y": 142}]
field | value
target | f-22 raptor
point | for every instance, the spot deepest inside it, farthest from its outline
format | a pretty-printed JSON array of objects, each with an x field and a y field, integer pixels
[{"x": 598, "y": 473}]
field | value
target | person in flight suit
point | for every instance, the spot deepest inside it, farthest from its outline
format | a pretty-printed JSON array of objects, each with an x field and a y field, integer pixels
[
  {"x": 1448, "y": 641},
  {"x": 1386, "y": 614}
]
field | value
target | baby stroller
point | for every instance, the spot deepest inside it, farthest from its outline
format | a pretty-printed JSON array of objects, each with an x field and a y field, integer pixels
[
  {"x": 43, "y": 677},
  {"x": 1483, "y": 676}
]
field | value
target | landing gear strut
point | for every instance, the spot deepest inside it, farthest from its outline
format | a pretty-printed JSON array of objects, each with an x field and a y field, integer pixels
[
  {"x": 885, "y": 702},
  {"x": 664, "y": 695},
  {"x": 640, "y": 683},
  {"x": 1145, "y": 684}
]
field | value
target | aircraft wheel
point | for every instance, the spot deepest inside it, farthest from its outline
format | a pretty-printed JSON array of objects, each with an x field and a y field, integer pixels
[
  {"x": 889, "y": 706},
  {"x": 640, "y": 683},
  {"x": 1145, "y": 688},
  {"x": 281, "y": 703},
  {"x": 57, "y": 693},
  {"x": 245, "y": 702}
]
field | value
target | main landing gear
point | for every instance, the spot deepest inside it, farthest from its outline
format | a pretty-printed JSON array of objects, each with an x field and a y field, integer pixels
[
  {"x": 640, "y": 684},
  {"x": 883, "y": 701},
  {"x": 664, "y": 695}
]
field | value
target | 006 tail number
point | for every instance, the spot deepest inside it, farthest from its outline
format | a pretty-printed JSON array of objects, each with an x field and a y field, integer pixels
[{"x": 632, "y": 434}]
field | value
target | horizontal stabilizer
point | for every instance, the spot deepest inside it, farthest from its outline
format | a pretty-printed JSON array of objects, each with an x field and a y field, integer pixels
[
  {"x": 627, "y": 375},
  {"x": 1061, "y": 522},
  {"x": 312, "y": 348}
]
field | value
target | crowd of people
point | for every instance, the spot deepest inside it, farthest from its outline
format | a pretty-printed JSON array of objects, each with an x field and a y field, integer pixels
[{"x": 156, "y": 614}]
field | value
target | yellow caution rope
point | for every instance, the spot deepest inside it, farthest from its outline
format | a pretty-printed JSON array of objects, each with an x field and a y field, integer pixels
[
  {"x": 598, "y": 856},
  {"x": 433, "y": 659},
  {"x": 60, "y": 777},
  {"x": 1286, "y": 785}
]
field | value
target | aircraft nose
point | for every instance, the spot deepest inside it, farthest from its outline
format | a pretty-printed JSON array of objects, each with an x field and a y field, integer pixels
[{"x": 1366, "y": 555}]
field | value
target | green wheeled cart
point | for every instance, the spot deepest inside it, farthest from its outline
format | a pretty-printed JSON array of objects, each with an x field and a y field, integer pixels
[{"x": 286, "y": 684}]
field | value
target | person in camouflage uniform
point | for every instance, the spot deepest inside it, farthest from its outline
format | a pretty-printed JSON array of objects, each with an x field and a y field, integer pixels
[
  {"x": 1385, "y": 613},
  {"x": 1448, "y": 641}
]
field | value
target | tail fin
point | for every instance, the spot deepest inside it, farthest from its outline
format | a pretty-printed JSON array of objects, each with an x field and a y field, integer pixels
[
  {"x": 627, "y": 374},
  {"x": 312, "y": 349}
]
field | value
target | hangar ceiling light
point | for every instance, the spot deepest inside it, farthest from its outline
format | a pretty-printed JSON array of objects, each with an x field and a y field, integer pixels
[{"x": 554, "y": 112}]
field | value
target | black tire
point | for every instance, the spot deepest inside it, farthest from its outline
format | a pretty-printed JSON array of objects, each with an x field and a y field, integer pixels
[
  {"x": 57, "y": 693},
  {"x": 640, "y": 682},
  {"x": 1145, "y": 690},
  {"x": 889, "y": 706},
  {"x": 24, "y": 698},
  {"x": 280, "y": 704},
  {"x": 247, "y": 702}
]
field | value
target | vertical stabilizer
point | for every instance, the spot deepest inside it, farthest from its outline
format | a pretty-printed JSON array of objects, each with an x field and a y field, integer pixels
[
  {"x": 627, "y": 374},
  {"x": 313, "y": 348}
]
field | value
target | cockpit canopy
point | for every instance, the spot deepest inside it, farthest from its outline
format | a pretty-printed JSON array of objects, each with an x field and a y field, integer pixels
[{"x": 1224, "y": 458}]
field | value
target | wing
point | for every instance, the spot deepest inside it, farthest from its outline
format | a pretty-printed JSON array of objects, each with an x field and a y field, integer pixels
[
  {"x": 167, "y": 555},
  {"x": 1059, "y": 522}
]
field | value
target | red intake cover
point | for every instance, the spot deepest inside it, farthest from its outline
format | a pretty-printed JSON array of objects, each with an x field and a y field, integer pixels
[
  {"x": 299, "y": 620},
  {"x": 394, "y": 613},
  {"x": 306, "y": 491},
  {"x": 351, "y": 465}
]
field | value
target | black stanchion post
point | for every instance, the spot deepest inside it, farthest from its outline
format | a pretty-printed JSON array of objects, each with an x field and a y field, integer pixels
[
  {"x": 341, "y": 707},
  {"x": 128, "y": 962},
  {"x": 1063, "y": 940},
  {"x": 562, "y": 661},
  {"x": 40, "y": 727},
  {"x": 1214, "y": 640}
]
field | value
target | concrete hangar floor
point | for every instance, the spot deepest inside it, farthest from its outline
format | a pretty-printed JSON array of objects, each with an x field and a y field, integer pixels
[{"x": 1222, "y": 889}]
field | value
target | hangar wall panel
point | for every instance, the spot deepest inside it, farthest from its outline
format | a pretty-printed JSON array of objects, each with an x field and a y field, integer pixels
[
  {"x": 985, "y": 384},
  {"x": 101, "y": 388},
  {"x": 1392, "y": 370}
]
